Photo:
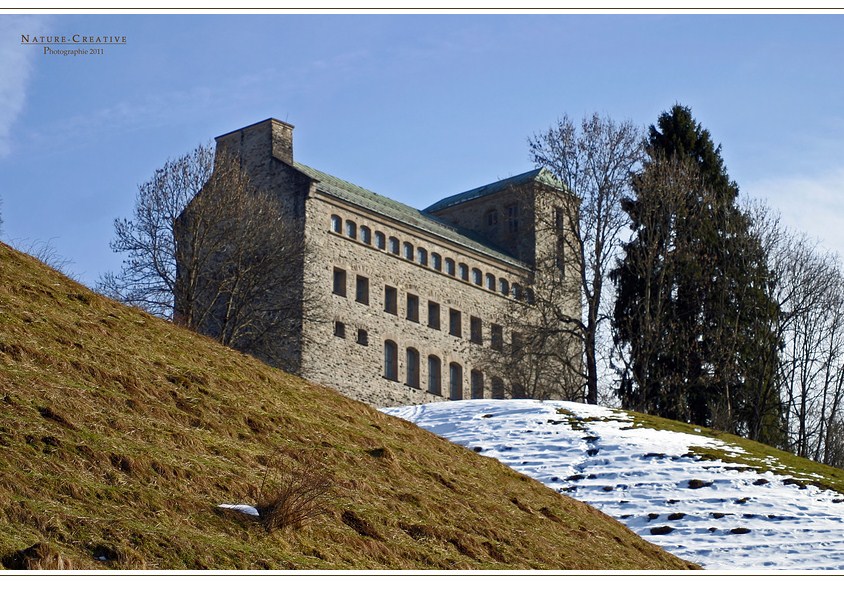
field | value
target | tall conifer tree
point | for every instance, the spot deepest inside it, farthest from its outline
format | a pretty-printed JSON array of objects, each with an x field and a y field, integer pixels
[{"x": 693, "y": 313}]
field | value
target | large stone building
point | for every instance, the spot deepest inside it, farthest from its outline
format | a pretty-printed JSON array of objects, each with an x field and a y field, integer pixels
[{"x": 410, "y": 300}]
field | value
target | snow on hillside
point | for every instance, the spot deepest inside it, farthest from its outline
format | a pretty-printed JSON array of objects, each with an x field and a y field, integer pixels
[{"x": 708, "y": 512}]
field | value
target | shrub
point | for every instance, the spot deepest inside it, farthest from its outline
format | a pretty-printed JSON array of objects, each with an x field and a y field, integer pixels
[{"x": 295, "y": 490}]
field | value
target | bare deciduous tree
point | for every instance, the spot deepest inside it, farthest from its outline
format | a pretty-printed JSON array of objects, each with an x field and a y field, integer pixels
[
  {"x": 213, "y": 253},
  {"x": 241, "y": 267},
  {"x": 596, "y": 161},
  {"x": 147, "y": 278}
]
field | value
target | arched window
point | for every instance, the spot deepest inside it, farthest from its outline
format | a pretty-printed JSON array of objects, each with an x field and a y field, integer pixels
[
  {"x": 394, "y": 246},
  {"x": 412, "y": 368},
  {"x": 449, "y": 266},
  {"x": 490, "y": 282},
  {"x": 477, "y": 276},
  {"x": 408, "y": 251},
  {"x": 503, "y": 286},
  {"x": 365, "y": 234},
  {"x": 434, "y": 375},
  {"x": 436, "y": 261},
  {"x": 497, "y": 388},
  {"x": 336, "y": 224},
  {"x": 476, "y": 378},
  {"x": 455, "y": 381},
  {"x": 517, "y": 292},
  {"x": 380, "y": 240},
  {"x": 391, "y": 360},
  {"x": 351, "y": 229},
  {"x": 422, "y": 256},
  {"x": 464, "y": 271}
]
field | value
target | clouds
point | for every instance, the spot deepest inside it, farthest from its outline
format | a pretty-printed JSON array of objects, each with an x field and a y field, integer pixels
[
  {"x": 18, "y": 61},
  {"x": 812, "y": 204}
]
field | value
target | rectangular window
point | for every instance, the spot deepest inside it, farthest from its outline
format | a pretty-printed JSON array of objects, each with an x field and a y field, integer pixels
[
  {"x": 476, "y": 330},
  {"x": 362, "y": 290},
  {"x": 433, "y": 315},
  {"x": 497, "y": 333},
  {"x": 454, "y": 322},
  {"x": 340, "y": 329},
  {"x": 363, "y": 337},
  {"x": 391, "y": 304},
  {"x": 339, "y": 282},
  {"x": 559, "y": 227},
  {"x": 412, "y": 308},
  {"x": 516, "y": 345},
  {"x": 513, "y": 218}
]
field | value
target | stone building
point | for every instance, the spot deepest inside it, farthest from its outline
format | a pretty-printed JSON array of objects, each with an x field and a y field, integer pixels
[{"x": 409, "y": 297}]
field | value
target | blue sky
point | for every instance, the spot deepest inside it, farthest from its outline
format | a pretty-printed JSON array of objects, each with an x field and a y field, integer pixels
[{"x": 415, "y": 107}]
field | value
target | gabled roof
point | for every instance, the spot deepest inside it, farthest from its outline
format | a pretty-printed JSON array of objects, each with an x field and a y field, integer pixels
[
  {"x": 539, "y": 175},
  {"x": 405, "y": 214}
]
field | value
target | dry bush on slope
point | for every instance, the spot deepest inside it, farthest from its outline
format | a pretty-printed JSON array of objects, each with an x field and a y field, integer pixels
[{"x": 299, "y": 490}]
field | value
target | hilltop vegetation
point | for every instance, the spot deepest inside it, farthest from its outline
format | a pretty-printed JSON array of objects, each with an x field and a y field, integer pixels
[{"x": 121, "y": 433}]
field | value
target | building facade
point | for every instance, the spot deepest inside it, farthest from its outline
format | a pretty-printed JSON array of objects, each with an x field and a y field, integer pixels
[{"x": 409, "y": 300}]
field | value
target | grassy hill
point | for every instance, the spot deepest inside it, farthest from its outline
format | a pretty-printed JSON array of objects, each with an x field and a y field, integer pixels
[{"x": 121, "y": 433}]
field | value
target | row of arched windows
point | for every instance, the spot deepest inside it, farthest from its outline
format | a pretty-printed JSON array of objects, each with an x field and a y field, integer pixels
[
  {"x": 435, "y": 374},
  {"x": 433, "y": 260}
]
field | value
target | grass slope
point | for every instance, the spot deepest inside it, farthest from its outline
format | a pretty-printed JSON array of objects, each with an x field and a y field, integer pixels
[
  {"x": 760, "y": 457},
  {"x": 120, "y": 433}
]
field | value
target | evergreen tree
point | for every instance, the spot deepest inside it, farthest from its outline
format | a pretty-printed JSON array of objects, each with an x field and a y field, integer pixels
[{"x": 693, "y": 313}]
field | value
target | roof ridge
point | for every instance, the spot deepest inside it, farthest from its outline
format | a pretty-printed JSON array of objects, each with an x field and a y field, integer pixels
[{"x": 541, "y": 174}]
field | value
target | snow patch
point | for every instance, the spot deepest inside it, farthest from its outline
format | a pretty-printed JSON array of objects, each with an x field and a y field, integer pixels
[
  {"x": 717, "y": 514},
  {"x": 247, "y": 509}
]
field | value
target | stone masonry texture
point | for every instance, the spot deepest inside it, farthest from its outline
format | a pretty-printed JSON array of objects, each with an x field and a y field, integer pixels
[{"x": 353, "y": 343}]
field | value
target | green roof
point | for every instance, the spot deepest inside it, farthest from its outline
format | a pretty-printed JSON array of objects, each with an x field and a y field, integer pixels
[
  {"x": 539, "y": 175},
  {"x": 404, "y": 214}
]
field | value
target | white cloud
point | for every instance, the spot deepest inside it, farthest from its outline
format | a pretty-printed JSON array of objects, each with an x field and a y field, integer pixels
[
  {"x": 17, "y": 64},
  {"x": 814, "y": 205}
]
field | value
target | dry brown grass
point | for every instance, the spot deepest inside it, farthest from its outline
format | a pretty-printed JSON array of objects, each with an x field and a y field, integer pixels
[{"x": 121, "y": 433}]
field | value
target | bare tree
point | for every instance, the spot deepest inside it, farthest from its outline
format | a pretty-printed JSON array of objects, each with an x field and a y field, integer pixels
[
  {"x": 147, "y": 278},
  {"x": 810, "y": 286},
  {"x": 214, "y": 254},
  {"x": 544, "y": 357},
  {"x": 807, "y": 284},
  {"x": 241, "y": 261},
  {"x": 596, "y": 161}
]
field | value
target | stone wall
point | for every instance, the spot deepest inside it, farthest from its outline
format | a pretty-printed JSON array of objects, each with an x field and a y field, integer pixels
[
  {"x": 475, "y": 215},
  {"x": 343, "y": 344},
  {"x": 358, "y": 370}
]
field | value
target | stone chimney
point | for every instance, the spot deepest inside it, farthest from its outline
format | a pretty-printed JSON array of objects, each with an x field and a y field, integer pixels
[{"x": 256, "y": 143}]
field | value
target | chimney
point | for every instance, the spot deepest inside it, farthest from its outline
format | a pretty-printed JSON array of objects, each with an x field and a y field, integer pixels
[{"x": 257, "y": 142}]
